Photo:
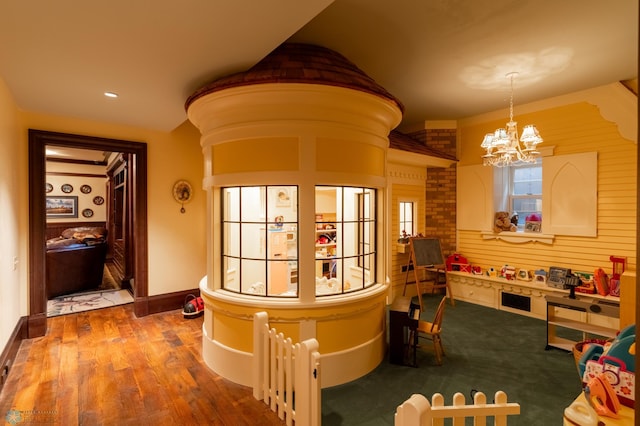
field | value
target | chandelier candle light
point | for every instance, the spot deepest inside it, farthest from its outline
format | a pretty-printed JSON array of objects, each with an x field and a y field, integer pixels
[{"x": 503, "y": 147}]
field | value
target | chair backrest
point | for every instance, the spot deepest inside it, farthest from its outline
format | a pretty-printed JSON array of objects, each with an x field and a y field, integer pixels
[{"x": 436, "y": 325}]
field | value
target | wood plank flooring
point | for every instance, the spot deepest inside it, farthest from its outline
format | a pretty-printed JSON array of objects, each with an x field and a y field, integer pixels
[{"x": 107, "y": 367}]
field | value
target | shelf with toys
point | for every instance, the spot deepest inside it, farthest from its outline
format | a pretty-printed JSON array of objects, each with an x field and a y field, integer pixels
[
  {"x": 524, "y": 292},
  {"x": 326, "y": 244}
]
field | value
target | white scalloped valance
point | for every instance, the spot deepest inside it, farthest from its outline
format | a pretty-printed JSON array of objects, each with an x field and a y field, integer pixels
[{"x": 519, "y": 237}]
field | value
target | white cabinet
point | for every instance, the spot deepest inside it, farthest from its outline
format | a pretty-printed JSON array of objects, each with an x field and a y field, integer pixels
[
  {"x": 591, "y": 317},
  {"x": 527, "y": 298}
]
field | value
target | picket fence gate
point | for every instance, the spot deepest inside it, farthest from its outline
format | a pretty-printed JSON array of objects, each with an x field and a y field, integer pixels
[
  {"x": 286, "y": 376},
  {"x": 416, "y": 411}
]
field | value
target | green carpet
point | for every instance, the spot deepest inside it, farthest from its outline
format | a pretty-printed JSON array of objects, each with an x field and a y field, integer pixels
[{"x": 487, "y": 350}]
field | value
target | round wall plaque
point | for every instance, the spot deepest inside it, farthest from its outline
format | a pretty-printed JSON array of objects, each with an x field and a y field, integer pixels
[{"x": 182, "y": 193}]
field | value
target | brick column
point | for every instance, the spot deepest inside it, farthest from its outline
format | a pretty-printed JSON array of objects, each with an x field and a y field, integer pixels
[{"x": 440, "y": 211}]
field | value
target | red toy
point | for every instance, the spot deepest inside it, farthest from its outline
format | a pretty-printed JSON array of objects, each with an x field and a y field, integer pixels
[
  {"x": 456, "y": 261},
  {"x": 193, "y": 306},
  {"x": 618, "y": 268}
]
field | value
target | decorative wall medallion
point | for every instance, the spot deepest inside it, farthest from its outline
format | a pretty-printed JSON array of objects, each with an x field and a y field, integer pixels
[
  {"x": 98, "y": 201},
  {"x": 85, "y": 189},
  {"x": 48, "y": 187},
  {"x": 87, "y": 212},
  {"x": 182, "y": 193},
  {"x": 66, "y": 188}
]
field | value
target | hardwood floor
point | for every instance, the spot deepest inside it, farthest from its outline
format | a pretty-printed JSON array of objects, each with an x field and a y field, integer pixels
[{"x": 107, "y": 367}]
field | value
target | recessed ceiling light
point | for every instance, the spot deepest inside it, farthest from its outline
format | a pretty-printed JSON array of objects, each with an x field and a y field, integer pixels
[{"x": 111, "y": 94}]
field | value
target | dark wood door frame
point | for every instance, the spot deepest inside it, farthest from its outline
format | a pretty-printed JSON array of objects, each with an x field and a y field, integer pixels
[{"x": 38, "y": 140}]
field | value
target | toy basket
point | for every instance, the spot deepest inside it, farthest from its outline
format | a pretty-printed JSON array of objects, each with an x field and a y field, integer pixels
[{"x": 579, "y": 348}]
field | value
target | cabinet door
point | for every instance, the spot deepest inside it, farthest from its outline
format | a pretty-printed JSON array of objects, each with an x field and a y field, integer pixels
[{"x": 474, "y": 198}]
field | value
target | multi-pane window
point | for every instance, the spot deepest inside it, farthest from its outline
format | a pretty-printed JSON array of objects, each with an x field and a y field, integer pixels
[
  {"x": 345, "y": 239},
  {"x": 406, "y": 219},
  {"x": 259, "y": 240},
  {"x": 525, "y": 195}
]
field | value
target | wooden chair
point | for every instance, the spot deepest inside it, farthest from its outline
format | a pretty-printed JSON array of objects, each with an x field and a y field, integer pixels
[{"x": 432, "y": 331}]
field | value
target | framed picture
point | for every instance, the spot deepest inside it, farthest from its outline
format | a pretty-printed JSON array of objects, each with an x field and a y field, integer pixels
[
  {"x": 283, "y": 198},
  {"x": 62, "y": 206},
  {"x": 532, "y": 227}
]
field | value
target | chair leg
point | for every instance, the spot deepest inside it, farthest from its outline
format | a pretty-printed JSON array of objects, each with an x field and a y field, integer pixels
[
  {"x": 437, "y": 347},
  {"x": 441, "y": 347},
  {"x": 411, "y": 347}
]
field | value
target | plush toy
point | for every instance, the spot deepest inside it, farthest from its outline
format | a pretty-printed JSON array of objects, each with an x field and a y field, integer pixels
[{"x": 503, "y": 223}]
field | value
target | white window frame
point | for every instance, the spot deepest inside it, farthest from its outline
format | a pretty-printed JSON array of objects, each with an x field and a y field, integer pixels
[
  {"x": 512, "y": 197},
  {"x": 569, "y": 198},
  {"x": 401, "y": 222}
]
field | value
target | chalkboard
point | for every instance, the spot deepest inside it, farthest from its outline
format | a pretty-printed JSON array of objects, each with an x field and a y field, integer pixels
[{"x": 426, "y": 252}]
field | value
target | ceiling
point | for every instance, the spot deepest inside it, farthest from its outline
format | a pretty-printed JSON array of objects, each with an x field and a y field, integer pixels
[{"x": 444, "y": 59}]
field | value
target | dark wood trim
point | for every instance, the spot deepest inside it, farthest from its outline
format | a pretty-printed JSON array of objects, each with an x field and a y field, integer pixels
[
  {"x": 168, "y": 301},
  {"x": 74, "y": 161},
  {"x": 38, "y": 140},
  {"x": 37, "y": 324},
  {"x": 93, "y": 175},
  {"x": 10, "y": 351},
  {"x": 141, "y": 306},
  {"x": 37, "y": 237}
]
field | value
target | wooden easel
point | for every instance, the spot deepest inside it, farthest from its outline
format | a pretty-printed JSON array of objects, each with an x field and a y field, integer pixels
[{"x": 426, "y": 255}]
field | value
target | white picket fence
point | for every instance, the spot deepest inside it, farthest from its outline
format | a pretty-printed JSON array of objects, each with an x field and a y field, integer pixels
[
  {"x": 286, "y": 376},
  {"x": 416, "y": 411}
]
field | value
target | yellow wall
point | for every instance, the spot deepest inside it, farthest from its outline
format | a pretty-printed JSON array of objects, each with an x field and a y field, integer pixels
[
  {"x": 576, "y": 127},
  {"x": 361, "y": 158},
  {"x": 256, "y": 155},
  {"x": 13, "y": 214},
  {"x": 403, "y": 192},
  {"x": 176, "y": 241}
]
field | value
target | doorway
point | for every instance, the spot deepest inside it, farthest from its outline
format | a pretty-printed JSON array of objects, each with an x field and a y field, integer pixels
[{"x": 137, "y": 152}]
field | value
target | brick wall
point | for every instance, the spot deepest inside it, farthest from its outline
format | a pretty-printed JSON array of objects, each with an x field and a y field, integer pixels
[{"x": 440, "y": 211}]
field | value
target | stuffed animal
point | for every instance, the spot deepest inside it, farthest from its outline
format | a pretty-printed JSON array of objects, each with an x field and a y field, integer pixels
[
  {"x": 515, "y": 218},
  {"x": 503, "y": 223}
]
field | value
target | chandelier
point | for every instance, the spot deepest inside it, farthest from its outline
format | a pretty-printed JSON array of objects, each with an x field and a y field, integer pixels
[{"x": 503, "y": 147}]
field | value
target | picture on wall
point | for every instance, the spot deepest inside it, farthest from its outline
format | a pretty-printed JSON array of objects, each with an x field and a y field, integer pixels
[
  {"x": 62, "y": 206},
  {"x": 283, "y": 199},
  {"x": 532, "y": 226}
]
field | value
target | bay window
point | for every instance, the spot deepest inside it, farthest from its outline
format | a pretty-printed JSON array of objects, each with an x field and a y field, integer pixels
[{"x": 260, "y": 228}]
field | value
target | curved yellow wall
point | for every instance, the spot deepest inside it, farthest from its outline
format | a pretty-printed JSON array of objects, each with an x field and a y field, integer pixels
[
  {"x": 336, "y": 155},
  {"x": 304, "y": 135},
  {"x": 255, "y": 155},
  {"x": 338, "y": 327}
]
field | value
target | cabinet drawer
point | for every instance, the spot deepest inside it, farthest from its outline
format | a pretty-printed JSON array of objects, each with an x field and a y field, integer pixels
[
  {"x": 474, "y": 292},
  {"x": 570, "y": 314}
]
